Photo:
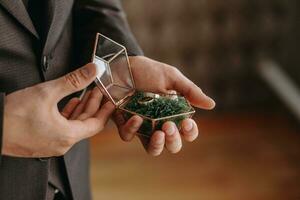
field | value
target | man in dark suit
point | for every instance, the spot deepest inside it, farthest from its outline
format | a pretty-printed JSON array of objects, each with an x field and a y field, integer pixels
[{"x": 43, "y": 130}]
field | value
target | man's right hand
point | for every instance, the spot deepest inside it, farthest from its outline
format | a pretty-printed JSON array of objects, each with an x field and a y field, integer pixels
[{"x": 33, "y": 125}]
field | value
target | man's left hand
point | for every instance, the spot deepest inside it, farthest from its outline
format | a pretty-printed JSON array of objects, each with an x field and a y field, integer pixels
[{"x": 156, "y": 77}]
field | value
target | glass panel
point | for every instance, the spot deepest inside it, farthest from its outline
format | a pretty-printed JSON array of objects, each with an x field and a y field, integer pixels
[
  {"x": 146, "y": 128},
  {"x": 113, "y": 69},
  {"x": 103, "y": 71},
  {"x": 121, "y": 77},
  {"x": 107, "y": 48}
]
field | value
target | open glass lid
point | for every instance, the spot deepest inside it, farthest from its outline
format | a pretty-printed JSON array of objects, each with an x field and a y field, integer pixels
[{"x": 114, "y": 77}]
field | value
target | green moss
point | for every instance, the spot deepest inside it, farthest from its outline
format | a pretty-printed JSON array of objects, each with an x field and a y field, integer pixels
[{"x": 160, "y": 107}]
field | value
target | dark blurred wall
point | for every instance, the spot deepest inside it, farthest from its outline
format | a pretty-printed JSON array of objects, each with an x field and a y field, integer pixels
[{"x": 216, "y": 43}]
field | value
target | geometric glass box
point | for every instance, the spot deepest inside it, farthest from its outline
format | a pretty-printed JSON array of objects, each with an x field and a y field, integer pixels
[{"x": 116, "y": 82}]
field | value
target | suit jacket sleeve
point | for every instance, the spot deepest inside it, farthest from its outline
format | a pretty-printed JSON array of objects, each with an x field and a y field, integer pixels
[
  {"x": 106, "y": 17},
  {"x": 1, "y": 121}
]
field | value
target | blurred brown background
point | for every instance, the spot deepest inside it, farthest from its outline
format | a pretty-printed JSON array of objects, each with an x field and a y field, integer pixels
[
  {"x": 216, "y": 43},
  {"x": 250, "y": 145}
]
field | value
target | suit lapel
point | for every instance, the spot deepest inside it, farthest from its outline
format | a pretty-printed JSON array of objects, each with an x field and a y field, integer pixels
[
  {"x": 17, "y": 9},
  {"x": 62, "y": 10}
]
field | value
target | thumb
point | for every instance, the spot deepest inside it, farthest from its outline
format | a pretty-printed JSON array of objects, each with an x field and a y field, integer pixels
[{"x": 73, "y": 81}]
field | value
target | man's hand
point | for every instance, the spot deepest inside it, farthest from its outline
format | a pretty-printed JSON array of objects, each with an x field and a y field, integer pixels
[
  {"x": 33, "y": 125},
  {"x": 153, "y": 76}
]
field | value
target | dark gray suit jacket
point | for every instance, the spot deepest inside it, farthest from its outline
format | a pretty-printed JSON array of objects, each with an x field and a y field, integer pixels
[{"x": 25, "y": 62}]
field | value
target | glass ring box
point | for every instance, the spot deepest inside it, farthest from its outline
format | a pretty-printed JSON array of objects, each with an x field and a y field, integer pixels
[{"x": 116, "y": 82}]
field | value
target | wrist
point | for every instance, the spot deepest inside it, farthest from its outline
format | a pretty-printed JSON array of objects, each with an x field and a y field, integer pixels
[
  {"x": 9, "y": 147},
  {"x": 135, "y": 62},
  {"x": 5, "y": 139},
  {"x": 1, "y": 121},
  {"x": 12, "y": 143}
]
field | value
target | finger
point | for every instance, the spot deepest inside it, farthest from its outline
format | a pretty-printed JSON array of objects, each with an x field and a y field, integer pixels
[
  {"x": 189, "y": 130},
  {"x": 130, "y": 128},
  {"x": 104, "y": 113},
  {"x": 92, "y": 105},
  {"x": 188, "y": 89},
  {"x": 72, "y": 82},
  {"x": 118, "y": 118},
  {"x": 79, "y": 109},
  {"x": 91, "y": 126},
  {"x": 156, "y": 144},
  {"x": 173, "y": 139},
  {"x": 69, "y": 108}
]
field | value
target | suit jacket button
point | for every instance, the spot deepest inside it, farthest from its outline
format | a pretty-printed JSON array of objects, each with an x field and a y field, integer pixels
[
  {"x": 43, "y": 159},
  {"x": 45, "y": 63}
]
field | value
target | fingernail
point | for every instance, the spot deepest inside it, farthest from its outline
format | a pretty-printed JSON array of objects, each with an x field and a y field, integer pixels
[
  {"x": 170, "y": 130},
  {"x": 188, "y": 126},
  {"x": 213, "y": 103}
]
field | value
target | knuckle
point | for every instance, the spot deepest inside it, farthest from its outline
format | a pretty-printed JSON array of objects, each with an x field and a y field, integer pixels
[
  {"x": 155, "y": 153},
  {"x": 83, "y": 116},
  {"x": 172, "y": 139},
  {"x": 73, "y": 79},
  {"x": 173, "y": 70},
  {"x": 157, "y": 145},
  {"x": 176, "y": 149},
  {"x": 119, "y": 119},
  {"x": 155, "y": 150},
  {"x": 129, "y": 130}
]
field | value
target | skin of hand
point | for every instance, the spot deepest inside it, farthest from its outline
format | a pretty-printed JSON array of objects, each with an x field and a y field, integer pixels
[
  {"x": 33, "y": 125},
  {"x": 156, "y": 77}
]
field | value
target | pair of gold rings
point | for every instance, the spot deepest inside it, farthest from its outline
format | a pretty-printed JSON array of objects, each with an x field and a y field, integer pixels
[{"x": 148, "y": 98}]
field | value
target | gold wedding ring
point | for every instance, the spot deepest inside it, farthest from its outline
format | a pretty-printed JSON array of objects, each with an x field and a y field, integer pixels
[
  {"x": 145, "y": 100},
  {"x": 148, "y": 98},
  {"x": 152, "y": 95}
]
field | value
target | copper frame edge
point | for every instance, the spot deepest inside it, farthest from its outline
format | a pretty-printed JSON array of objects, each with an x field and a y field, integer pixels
[{"x": 119, "y": 103}]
